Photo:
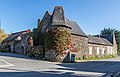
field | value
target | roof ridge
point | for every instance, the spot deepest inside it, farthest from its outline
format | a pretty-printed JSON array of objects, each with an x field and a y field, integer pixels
[
  {"x": 98, "y": 40},
  {"x": 21, "y": 31}
]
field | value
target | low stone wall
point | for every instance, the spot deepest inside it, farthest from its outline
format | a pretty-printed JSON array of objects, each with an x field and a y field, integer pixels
[{"x": 55, "y": 56}]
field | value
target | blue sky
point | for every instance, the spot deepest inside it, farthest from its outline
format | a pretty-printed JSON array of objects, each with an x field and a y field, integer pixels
[{"x": 91, "y": 15}]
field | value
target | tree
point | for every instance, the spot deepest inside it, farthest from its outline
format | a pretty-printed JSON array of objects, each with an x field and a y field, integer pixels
[
  {"x": 107, "y": 31},
  {"x": 3, "y": 35}
]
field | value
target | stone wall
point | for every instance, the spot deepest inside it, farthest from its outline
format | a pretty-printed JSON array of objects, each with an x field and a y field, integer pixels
[
  {"x": 80, "y": 45},
  {"x": 100, "y": 50},
  {"x": 21, "y": 46},
  {"x": 56, "y": 42},
  {"x": 54, "y": 56},
  {"x": 18, "y": 48}
]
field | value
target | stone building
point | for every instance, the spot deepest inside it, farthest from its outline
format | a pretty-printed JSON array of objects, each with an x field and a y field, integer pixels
[
  {"x": 18, "y": 42},
  {"x": 73, "y": 41},
  {"x": 82, "y": 44}
]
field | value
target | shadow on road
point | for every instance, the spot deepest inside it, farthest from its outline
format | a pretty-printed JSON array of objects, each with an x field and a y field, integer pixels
[
  {"x": 106, "y": 67},
  {"x": 90, "y": 66},
  {"x": 28, "y": 73},
  {"x": 35, "y": 74},
  {"x": 15, "y": 55},
  {"x": 93, "y": 66}
]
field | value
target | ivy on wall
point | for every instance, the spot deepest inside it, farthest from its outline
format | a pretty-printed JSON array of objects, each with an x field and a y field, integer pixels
[
  {"x": 57, "y": 39},
  {"x": 35, "y": 52}
]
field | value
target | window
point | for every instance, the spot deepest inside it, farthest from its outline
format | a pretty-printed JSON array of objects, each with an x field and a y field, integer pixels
[
  {"x": 90, "y": 50},
  {"x": 103, "y": 50},
  {"x": 18, "y": 38},
  {"x": 98, "y": 50}
]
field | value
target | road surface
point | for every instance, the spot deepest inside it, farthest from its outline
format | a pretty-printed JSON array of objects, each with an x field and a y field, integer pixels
[{"x": 15, "y": 65}]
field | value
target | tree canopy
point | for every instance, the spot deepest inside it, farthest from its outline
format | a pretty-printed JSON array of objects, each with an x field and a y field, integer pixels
[
  {"x": 3, "y": 35},
  {"x": 107, "y": 30}
]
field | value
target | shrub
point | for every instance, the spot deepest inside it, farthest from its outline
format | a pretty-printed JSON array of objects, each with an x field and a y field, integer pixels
[
  {"x": 35, "y": 52},
  {"x": 96, "y": 57}
]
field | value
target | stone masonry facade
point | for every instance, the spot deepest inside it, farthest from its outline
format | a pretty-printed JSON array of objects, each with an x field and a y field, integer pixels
[
  {"x": 77, "y": 43},
  {"x": 81, "y": 44}
]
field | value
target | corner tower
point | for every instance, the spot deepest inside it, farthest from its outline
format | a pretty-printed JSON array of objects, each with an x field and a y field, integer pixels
[{"x": 57, "y": 37}]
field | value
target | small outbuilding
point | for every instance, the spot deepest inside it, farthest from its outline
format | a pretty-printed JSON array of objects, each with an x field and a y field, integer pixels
[{"x": 18, "y": 42}]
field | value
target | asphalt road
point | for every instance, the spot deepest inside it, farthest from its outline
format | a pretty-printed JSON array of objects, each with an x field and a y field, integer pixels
[{"x": 14, "y": 65}]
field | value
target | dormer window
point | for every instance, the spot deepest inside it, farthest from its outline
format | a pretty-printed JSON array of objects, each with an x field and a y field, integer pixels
[{"x": 18, "y": 38}]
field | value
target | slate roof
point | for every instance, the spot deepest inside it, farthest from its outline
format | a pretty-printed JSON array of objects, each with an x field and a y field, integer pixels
[
  {"x": 58, "y": 18},
  {"x": 15, "y": 35},
  {"x": 47, "y": 14},
  {"x": 109, "y": 37},
  {"x": 75, "y": 28},
  {"x": 99, "y": 41}
]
